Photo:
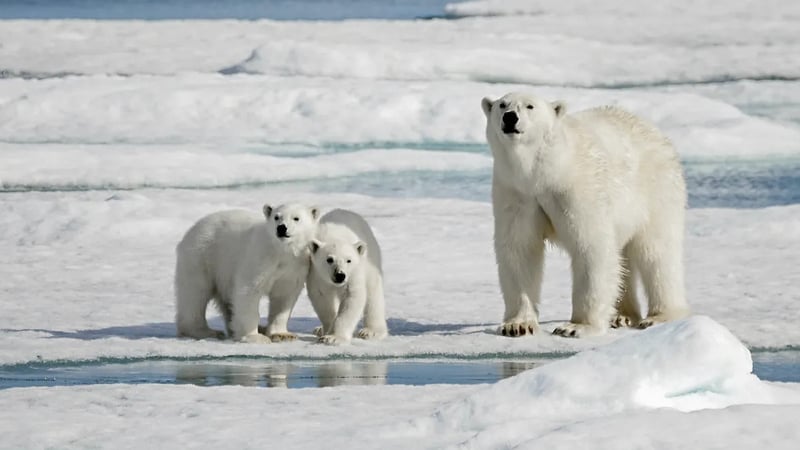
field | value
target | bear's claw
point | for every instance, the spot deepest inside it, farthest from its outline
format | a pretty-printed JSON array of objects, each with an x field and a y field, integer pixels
[
  {"x": 576, "y": 330},
  {"x": 515, "y": 329},
  {"x": 370, "y": 333},
  {"x": 318, "y": 331},
  {"x": 621, "y": 321},
  {"x": 330, "y": 339},
  {"x": 282, "y": 337}
]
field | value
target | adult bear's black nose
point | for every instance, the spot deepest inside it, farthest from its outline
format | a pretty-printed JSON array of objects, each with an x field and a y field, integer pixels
[
  {"x": 339, "y": 277},
  {"x": 510, "y": 119},
  {"x": 282, "y": 231}
]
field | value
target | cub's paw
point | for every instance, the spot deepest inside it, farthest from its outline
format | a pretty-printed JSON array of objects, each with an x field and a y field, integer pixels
[
  {"x": 518, "y": 328},
  {"x": 318, "y": 331},
  {"x": 576, "y": 330},
  {"x": 330, "y": 339},
  {"x": 371, "y": 333},
  {"x": 282, "y": 337},
  {"x": 621, "y": 321},
  {"x": 256, "y": 339}
]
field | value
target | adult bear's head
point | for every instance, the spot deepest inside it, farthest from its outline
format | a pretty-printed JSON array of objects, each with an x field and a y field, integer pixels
[{"x": 518, "y": 118}]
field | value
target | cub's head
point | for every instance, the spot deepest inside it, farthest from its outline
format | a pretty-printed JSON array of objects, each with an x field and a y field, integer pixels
[
  {"x": 336, "y": 254},
  {"x": 518, "y": 117},
  {"x": 293, "y": 224}
]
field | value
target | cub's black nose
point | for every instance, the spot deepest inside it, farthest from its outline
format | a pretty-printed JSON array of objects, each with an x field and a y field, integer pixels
[
  {"x": 282, "y": 231},
  {"x": 338, "y": 277},
  {"x": 510, "y": 118}
]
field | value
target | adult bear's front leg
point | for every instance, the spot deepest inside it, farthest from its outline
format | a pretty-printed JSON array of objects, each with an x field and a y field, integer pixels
[{"x": 519, "y": 250}]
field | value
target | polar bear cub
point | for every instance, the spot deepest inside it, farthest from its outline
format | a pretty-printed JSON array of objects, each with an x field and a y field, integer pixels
[
  {"x": 604, "y": 185},
  {"x": 236, "y": 257},
  {"x": 346, "y": 278}
]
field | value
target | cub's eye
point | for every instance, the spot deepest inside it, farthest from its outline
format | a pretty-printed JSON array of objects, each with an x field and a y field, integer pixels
[
  {"x": 348, "y": 261},
  {"x": 503, "y": 105},
  {"x": 530, "y": 106},
  {"x": 296, "y": 219},
  {"x": 329, "y": 260},
  {"x": 277, "y": 217}
]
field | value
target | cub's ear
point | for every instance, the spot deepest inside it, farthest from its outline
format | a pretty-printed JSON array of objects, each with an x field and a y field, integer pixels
[
  {"x": 314, "y": 245},
  {"x": 267, "y": 211},
  {"x": 314, "y": 212},
  {"x": 361, "y": 247},
  {"x": 559, "y": 107},
  {"x": 486, "y": 105}
]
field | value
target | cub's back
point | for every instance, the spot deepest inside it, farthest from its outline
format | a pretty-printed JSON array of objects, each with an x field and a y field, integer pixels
[
  {"x": 223, "y": 229},
  {"x": 359, "y": 226}
]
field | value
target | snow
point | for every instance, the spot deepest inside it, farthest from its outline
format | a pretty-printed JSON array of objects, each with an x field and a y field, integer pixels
[
  {"x": 115, "y": 136},
  {"x": 628, "y": 394}
]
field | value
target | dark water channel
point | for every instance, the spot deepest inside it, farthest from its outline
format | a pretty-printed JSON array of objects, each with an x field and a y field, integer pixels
[{"x": 771, "y": 366}]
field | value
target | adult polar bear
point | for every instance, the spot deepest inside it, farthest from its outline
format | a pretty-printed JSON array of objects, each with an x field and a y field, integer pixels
[
  {"x": 602, "y": 184},
  {"x": 235, "y": 257}
]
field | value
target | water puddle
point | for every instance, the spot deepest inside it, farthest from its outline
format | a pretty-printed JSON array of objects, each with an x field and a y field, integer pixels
[{"x": 772, "y": 366}]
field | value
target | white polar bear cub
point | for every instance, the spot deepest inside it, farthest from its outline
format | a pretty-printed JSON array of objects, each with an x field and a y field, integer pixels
[
  {"x": 346, "y": 278},
  {"x": 235, "y": 258},
  {"x": 604, "y": 185}
]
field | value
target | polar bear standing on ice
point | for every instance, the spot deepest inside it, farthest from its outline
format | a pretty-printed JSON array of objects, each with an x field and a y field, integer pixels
[
  {"x": 235, "y": 258},
  {"x": 346, "y": 278},
  {"x": 602, "y": 184}
]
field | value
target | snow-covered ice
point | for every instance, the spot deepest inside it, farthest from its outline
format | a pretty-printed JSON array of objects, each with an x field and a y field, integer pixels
[
  {"x": 684, "y": 383},
  {"x": 115, "y": 136}
]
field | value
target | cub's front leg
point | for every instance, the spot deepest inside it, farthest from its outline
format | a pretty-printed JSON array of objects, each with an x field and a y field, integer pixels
[
  {"x": 350, "y": 311},
  {"x": 282, "y": 298},
  {"x": 325, "y": 302},
  {"x": 245, "y": 316}
]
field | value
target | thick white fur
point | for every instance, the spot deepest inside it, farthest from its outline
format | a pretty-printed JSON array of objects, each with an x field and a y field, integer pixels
[
  {"x": 604, "y": 185},
  {"x": 235, "y": 258},
  {"x": 345, "y": 244}
]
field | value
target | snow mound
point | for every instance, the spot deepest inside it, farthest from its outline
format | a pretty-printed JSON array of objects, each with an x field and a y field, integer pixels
[{"x": 687, "y": 365}]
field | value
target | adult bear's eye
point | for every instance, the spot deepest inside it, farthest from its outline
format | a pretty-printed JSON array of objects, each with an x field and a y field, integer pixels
[
  {"x": 348, "y": 261},
  {"x": 297, "y": 219},
  {"x": 503, "y": 105},
  {"x": 530, "y": 106},
  {"x": 277, "y": 218},
  {"x": 329, "y": 260}
]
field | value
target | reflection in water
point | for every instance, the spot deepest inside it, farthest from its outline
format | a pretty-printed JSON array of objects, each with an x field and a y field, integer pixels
[
  {"x": 511, "y": 368},
  {"x": 283, "y": 374},
  {"x": 347, "y": 373},
  {"x": 274, "y": 374},
  {"x": 220, "y": 374}
]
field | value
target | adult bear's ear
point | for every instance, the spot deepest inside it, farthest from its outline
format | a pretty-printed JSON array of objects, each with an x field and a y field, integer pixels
[
  {"x": 267, "y": 211},
  {"x": 314, "y": 212},
  {"x": 361, "y": 247},
  {"x": 314, "y": 245},
  {"x": 486, "y": 105},
  {"x": 559, "y": 107}
]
